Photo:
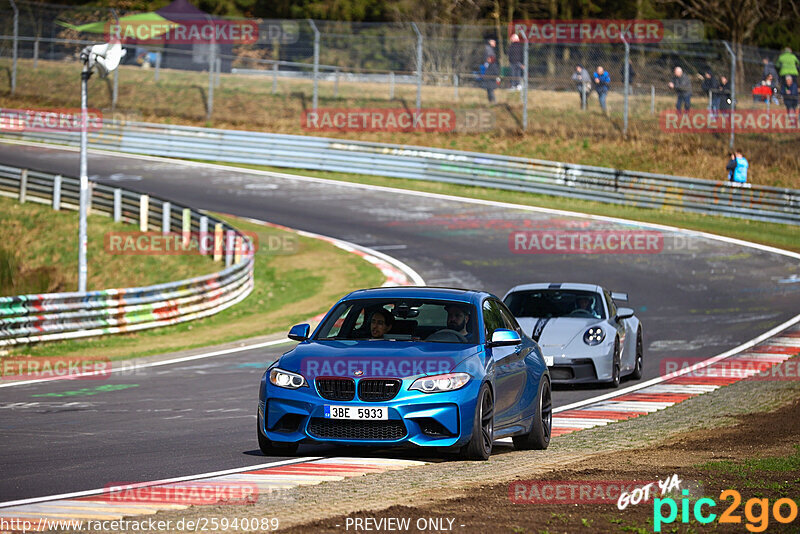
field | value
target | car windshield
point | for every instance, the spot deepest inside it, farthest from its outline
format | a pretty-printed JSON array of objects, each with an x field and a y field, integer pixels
[
  {"x": 435, "y": 321},
  {"x": 549, "y": 303}
]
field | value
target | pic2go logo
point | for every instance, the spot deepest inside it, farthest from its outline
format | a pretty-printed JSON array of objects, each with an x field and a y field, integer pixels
[{"x": 783, "y": 510}]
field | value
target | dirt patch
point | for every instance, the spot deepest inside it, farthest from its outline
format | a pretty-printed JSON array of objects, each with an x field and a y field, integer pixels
[{"x": 759, "y": 457}]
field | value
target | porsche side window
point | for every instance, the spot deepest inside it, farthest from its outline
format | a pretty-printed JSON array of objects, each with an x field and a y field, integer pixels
[
  {"x": 492, "y": 318},
  {"x": 612, "y": 308}
]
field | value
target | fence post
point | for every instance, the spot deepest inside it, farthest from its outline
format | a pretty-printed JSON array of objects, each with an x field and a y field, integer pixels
[
  {"x": 210, "y": 96},
  {"x": 117, "y": 205},
  {"x": 525, "y": 60},
  {"x": 158, "y": 66},
  {"x": 391, "y": 86},
  {"x": 733, "y": 90},
  {"x": 57, "y": 192},
  {"x": 14, "y": 48},
  {"x": 23, "y": 185},
  {"x": 455, "y": 87},
  {"x": 336, "y": 84},
  {"x": 36, "y": 53},
  {"x": 419, "y": 64},
  {"x": 203, "y": 233},
  {"x": 229, "y": 237},
  {"x": 275, "y": 78},
  {"x": 627, "y": 87},
  {"x": 218, "y": 68},
  {"x": 218, "y": 242},
  {"x": 186, "y": 227},
  {"x": 583, "y": 96},
  {"x": 144, "y": 208},
  {"x": 652, "y": 100},
  {"x": 166, "y": 217},
  {"x": 115, "y": 90},
  {"x": 315, "y": 99}
]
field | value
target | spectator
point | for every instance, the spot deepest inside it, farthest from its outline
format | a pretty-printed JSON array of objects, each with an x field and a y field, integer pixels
[
  {"x": 583, "y": 83},
  {"x": 601, "y": 83},
  {"x": 789, "y": 93},
  {"x": 631, "y": 75},
  {"x": 683, "y": 88},
  {"x": 516, "y": 59},
  {"x": 787, "y": 63},
  {"x": 740, "y": 172},
  {"x": 772, "y": 84},
  {"x": 491, "y": 50},
  {"x": 724, "y": 92},
  {"x": 731, "y": 166},
  {"x": 709, "y": 85},
  {"x": 491, "y": 77},
  {"x": 769, "y": 68}
]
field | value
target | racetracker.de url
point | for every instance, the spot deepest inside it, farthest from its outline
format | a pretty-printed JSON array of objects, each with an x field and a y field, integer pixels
[{"x": 201, "y": 524}]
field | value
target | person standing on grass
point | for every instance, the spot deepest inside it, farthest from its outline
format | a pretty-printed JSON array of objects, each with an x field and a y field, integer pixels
[
  {"x": 709, "y": 85},
  {"x": 583, "y": 82},
  {"x": 683, "y": 88},
  {"x": 731, "y": 166},
  {"x": 788, "y": 63},
  {"x": 602, "y": 81},
  {"x": 740, "y": 172},
  {"x": 769, "y": 68},
  {"x": 491, "y": 78},
  {"x": 789, "y": 93},
  {"x": 516, "y": 59}
]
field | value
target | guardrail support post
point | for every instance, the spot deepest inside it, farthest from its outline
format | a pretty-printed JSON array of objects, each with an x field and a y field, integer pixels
[
  {"x": 229, "y": 241},
  {"x": 218, "y": 242},
  {"x": 117, "y": 205},
  {"x": 203, "y": 235},
  {"x": 186, "y": 227},
  {"x": 166, "y": 217},
  {"x": 144, "y": 208},
  {"x": 57, "y": 192},
  {"x": 23, "y": 185}
]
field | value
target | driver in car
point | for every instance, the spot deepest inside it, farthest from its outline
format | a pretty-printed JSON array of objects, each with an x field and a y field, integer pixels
[
  {"x": 380, "y": 323},
  {"x": 583, "y": 302},
  {"x": 457, "y": 318}
]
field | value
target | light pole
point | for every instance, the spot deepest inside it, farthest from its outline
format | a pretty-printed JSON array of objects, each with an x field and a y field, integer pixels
[{"x": 105, "y": 58}]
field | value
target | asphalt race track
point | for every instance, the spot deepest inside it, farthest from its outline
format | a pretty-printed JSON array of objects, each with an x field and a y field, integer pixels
[{"x": 696, "y": 298}]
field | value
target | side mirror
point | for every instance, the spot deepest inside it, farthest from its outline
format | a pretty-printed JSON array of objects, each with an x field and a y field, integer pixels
[
  {"x": 503, "y": 337},
  {"x": 624, "y": 313},
  {"x": 300, "y": 332}
]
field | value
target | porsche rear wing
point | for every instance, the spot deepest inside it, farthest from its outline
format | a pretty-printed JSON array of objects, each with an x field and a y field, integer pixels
[{"x": 619, "y": 297}]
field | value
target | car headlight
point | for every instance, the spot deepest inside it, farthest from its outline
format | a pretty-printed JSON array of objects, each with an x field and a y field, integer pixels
[
  {"x": 286, "y": 379},
  {"x": 594, "y": 336},
  {"x": 437, "y": 383}
]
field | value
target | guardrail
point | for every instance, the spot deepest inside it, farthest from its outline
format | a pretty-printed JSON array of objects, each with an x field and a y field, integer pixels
[
  {"x": 585, "y": 182},
  {"x": 34, "y": 318}
]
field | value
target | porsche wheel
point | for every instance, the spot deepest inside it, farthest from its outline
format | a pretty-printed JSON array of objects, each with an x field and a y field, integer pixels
[
  {"x": 637, "y": 370},
  {"x": 615, "y": 371}
]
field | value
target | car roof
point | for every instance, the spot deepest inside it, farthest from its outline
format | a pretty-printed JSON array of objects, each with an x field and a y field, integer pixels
[
  {"x": 550, "y": 285},
  {"x": 419, "y": 292}
]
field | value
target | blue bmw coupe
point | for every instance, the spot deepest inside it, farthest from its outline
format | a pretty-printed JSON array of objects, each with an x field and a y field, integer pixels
[{"x": 418, "y": 366}]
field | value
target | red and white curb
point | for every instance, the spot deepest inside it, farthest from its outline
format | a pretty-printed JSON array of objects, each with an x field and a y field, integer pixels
[
  {"x": 269, "y": 480},
  {"x": 677, "y": 387}
]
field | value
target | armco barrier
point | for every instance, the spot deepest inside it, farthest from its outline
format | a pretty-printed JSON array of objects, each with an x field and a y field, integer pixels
[
  {"x": 53, "y": 316},
  {"x": 601, "y": 184}
]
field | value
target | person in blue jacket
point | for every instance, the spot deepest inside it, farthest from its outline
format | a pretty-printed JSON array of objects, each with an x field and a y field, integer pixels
[
  {"x": 601, "y": 82},
  {"x": 740, "y": 171}
]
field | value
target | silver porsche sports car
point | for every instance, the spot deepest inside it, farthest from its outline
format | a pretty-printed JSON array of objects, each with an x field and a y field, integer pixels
[{"x": 583, "y": 335}]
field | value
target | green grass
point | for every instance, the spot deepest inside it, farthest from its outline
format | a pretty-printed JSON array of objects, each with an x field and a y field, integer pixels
[
  {"x": 290, "y": 286},
  {"x": 38, "y": 254},
  {"x": 751, "y": 467},
  {"x": 777, "y": 235}
]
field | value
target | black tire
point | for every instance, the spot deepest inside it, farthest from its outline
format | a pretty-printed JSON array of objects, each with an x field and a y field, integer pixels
[
  {"x": 615, "y": 370},
  {"x": 272, "y": 448},
  {"x": 539, "y": 436},
  {"x": 637, "y": 370},
  {"x": 480, "y": 445}
]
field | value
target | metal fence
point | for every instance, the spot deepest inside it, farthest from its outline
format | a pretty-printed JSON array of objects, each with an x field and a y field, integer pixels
[
  {"x": 433, "y": 164},
  {"x": 57, "y": 316},
  {"x": 427, "y": 64}
]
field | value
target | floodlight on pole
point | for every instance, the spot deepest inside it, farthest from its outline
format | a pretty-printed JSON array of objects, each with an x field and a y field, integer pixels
[{"x": 104, "y": 58}]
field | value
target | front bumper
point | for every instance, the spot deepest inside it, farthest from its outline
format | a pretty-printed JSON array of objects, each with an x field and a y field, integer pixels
[
  {"x": 415, "y": 418},
  {"x": 581, "y": 370}
]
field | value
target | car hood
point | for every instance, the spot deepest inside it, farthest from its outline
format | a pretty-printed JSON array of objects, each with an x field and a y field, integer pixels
[
  {"x": 557, "y": 332},
  {"x": 376, "y": 358}
]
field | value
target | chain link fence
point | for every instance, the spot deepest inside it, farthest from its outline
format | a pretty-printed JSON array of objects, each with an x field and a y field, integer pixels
[{"x": 334, "y": 63}]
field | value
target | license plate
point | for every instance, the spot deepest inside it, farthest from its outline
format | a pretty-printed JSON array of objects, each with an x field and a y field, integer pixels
[
  {"x": 357, "y": 413},
  {"x": 548, "y": 361}
]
